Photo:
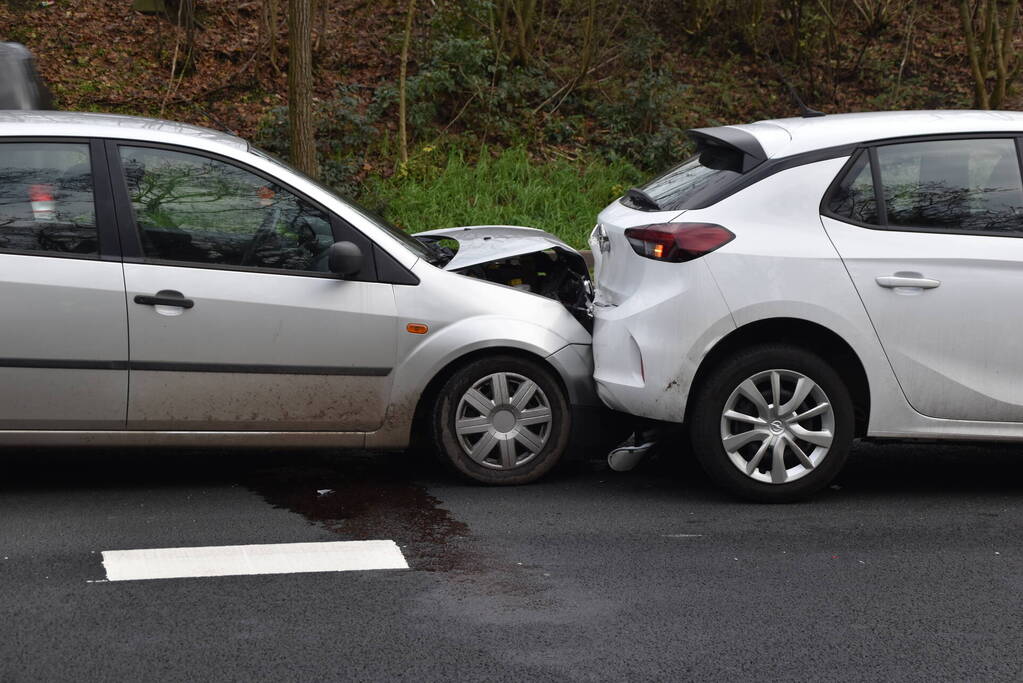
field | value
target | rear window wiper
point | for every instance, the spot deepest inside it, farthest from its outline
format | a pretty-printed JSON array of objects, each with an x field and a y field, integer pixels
[{"x": 641, "y": 198}]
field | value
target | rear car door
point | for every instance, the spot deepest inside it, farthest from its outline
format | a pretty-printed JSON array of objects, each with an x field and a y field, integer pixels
[
  {"x": 930, "y": 233},
  {"x": 64, "y": 337},
  {"x": 235, "y": 321}
]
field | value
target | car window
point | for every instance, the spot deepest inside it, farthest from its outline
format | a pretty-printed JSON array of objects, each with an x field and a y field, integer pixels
[
  {"x": 196, "y": 209},
  {"x": 854, "y": 197},
  {"x": 410, "y": 242},
  {"x": 46, "y": 198},
  {"x": 691, "y": 181},
  {"x": 961, "y": 185}
]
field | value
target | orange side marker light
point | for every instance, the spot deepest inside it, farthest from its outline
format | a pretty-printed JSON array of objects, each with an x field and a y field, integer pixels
[{"x": 417, "y": 328}]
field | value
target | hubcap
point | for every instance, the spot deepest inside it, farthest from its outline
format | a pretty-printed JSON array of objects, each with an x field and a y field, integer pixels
[
  {"x": 503, "y": 421},
  {"x": 777, "y": 426}
]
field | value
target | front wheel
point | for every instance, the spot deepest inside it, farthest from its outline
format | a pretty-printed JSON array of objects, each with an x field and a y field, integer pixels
[
  {"x": 502, "y": 420},
  {"x": 773, "y": 424}
]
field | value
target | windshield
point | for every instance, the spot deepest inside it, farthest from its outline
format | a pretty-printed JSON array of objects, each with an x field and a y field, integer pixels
[{"x": 414, "y": 245}]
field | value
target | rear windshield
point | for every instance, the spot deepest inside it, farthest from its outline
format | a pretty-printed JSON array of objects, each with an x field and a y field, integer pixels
[{"x": 692, "y": 181}]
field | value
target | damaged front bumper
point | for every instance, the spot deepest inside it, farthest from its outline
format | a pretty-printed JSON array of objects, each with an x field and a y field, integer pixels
[{"x": 537, "y": 262}]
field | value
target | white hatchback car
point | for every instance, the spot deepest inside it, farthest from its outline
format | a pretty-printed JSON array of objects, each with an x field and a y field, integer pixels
[
  {"x": 802, "y": 282},
  {"x": 163, "y": 284}
]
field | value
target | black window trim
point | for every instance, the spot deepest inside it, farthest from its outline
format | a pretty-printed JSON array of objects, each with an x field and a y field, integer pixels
[
  {"x": 779, "y": 164},
  {"x": 880, "y": 205},
  {"x": 108, "y": 243},
  {"x": 871, "y": 149},
  {"x": 836, "y": 183},
  {"x": 132, "y": 246}
]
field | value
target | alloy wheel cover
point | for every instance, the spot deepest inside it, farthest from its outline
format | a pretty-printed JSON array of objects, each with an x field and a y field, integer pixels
[
  {"x": 777, "y": 426},
  {"x": 503, "y": 421}
]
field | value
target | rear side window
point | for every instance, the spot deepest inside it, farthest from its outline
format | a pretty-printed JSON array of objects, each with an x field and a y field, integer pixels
[
  {"x": 195, "y": 209},
  {"x": 689, "y": 182},
  {"x": 46, "y": 198},
  {"x": 960, "y": 185},
  {"x": 854, "y": 197}
]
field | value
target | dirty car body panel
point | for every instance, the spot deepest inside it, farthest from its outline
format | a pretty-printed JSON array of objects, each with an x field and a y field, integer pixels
[{"x": 229, "y": 327}]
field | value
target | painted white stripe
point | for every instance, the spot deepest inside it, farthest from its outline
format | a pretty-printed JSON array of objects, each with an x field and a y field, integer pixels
[{"x": 236, "y": 560}]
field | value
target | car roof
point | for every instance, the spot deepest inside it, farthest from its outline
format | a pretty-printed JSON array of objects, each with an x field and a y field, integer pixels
[
  {"x": 78, "y": 124},
  {"x": 785, "y": 137}
]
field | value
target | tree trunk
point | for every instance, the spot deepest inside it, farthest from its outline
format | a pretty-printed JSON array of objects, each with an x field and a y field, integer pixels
[
  {"x": 186, "y": 19},
  {"x": 980, "y": 97},
  {"x": 321, "y": 30},
  {"x": 402, "y": 106},
  {"x": 268, "y": 27},
  {"x": 525, "y": 13},
  {"x": 1004, "y": 56},
  {"x": 182, "y": 14},
  {"x": 300, "y": 86}
]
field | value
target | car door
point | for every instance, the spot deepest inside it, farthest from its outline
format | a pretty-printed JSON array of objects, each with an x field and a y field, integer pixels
[
  {"x": 235, "y": 321},
  {"x": 64, "y": 337},
  {"x": 937, "y": 259}
]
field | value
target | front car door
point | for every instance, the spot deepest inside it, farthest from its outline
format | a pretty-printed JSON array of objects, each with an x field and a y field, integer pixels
[
  {"x": 64, "y": 337},
  {"x": 930, "y": 233},
  {"x": 235, "y": 322}
]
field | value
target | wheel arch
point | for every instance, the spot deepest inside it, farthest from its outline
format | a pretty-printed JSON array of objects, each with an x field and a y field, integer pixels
[{"x": 810, "y": 336}]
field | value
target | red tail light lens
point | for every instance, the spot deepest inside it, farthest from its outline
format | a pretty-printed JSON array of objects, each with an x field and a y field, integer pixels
[
  {"x": 40, "y": 193},
  {"x": 677, "y": 242}
]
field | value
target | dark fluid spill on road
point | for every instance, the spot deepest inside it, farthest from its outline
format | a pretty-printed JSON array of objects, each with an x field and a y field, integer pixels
[{"x": 366, "y": 497}]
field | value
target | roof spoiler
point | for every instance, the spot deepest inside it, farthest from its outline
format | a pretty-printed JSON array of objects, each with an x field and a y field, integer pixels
[{"x": 730, "y": 138}]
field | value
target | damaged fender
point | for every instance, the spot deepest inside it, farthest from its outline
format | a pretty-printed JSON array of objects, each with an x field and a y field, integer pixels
[{"x": 541, "y": 309}]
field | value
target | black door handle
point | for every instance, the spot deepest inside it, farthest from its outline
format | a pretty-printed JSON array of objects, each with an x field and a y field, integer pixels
[{"x": 166, "y": 297}]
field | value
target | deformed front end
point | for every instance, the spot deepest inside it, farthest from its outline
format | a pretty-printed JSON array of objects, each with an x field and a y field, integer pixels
[{"x": 527, "y": 259}]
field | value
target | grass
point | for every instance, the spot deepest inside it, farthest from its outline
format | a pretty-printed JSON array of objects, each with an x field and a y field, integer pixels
[{"x": 558, "y": 196}]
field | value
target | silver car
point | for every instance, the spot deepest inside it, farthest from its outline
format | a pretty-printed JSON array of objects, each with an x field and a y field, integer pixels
[
  {"x": 163, "y": 284},
  {"x": 803, "y": 282}
]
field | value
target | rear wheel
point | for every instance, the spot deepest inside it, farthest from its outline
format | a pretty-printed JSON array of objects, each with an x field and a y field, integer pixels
[
  {"x": 773, "y": 424},
  {"x": 502, "y": 420}
]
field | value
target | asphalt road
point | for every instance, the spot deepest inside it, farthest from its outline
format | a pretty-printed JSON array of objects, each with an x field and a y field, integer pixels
[{"x": 910, "y": 569}]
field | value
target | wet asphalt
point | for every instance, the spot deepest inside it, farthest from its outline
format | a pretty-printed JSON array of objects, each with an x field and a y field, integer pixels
[{"x": 910, "y": 568}]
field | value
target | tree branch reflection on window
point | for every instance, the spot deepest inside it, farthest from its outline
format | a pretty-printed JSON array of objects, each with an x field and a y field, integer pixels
[
  {"x": 938, "y": 205},
  {"x": 196, "y": 209}
]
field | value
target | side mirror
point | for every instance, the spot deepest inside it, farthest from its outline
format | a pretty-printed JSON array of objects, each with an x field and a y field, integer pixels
[{"x": 344, "y": 258}]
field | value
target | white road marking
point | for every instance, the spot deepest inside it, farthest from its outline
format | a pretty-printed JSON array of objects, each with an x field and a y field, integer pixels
[{"x": 237, "y": 560}]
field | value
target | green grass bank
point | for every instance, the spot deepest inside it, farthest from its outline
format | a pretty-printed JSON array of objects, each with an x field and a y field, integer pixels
[{"x": 507, "y": 188}]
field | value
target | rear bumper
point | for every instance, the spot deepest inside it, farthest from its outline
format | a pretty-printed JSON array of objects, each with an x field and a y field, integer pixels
[{"x": 648, "y": 348}]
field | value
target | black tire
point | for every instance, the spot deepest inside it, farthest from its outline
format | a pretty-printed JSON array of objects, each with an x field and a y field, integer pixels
[
  {"x": 533, "y": 464},
  {"x": 706, "y": 423}
]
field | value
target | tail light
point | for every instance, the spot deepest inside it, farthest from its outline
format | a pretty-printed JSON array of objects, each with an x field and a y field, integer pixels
[{"x": 677, "y": 242}]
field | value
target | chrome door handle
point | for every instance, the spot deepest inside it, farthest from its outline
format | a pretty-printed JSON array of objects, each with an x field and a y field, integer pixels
[{"x": 915, "y": 281}]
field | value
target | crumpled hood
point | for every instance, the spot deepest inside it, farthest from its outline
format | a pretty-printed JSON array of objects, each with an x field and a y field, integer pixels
[{"x": 479, "y": 244}]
